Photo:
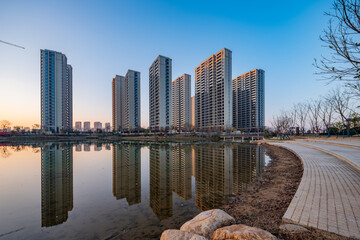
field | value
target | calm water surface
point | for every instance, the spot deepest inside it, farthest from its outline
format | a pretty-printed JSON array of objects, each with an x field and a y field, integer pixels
[{"x": 117, "y": 191}]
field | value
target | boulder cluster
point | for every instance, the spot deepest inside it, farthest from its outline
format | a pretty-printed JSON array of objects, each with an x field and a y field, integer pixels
[{"x": 215, "y": 224}]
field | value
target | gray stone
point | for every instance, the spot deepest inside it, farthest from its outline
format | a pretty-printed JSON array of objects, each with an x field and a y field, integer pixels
[
  {"x": 174, "y": 234},
  {"x": 237, "y": 232},
  {"x": 207, "y": 222},
  {"x": 292, "y": 228}
]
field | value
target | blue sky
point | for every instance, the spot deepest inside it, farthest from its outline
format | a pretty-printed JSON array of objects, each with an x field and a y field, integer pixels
[{"x": 104, "y": 38}]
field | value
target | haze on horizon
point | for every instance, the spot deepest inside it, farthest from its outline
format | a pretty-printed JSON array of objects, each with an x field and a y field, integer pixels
[{"x": 102, "y": 39}]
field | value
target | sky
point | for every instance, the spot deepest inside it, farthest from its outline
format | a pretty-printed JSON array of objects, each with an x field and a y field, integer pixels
[{"x": 105, "y": 38}]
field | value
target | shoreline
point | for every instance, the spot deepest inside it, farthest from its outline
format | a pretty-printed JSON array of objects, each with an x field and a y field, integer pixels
[{"x": 104, "y": 138}]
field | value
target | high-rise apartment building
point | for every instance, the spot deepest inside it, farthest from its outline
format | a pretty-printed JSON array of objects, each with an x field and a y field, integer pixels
[
  {"x": 249, "y": 101},
  {"x": 181, "y": 94},
  {"x": 213, "y": 92},
  {"x": 117, "y": 89},
  {"x": 56, "y": 91},
  {"x": 193, "y": 111},
  {"x": 160, "y": 77},
  {"x": 131, "y": 100},
  {"x": 68, "y": 105},
  {"x": 126, "y": 101},
  {"x": 78, "y": 126}
]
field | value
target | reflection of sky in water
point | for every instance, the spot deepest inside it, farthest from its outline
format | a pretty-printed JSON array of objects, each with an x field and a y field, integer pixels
[
  {"x": 123, "y": 191},
  {"x": 267, "y": 159}
]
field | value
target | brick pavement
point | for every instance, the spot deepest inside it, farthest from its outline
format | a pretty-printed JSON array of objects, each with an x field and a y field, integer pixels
[
  {"x": 343, "y": 143},
  {"x": 351, "y": 154},
  {"x": 328, "y": 196}
]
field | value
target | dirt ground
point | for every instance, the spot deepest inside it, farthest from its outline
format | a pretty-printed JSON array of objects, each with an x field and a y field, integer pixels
[{"x": 265, "y": 202}]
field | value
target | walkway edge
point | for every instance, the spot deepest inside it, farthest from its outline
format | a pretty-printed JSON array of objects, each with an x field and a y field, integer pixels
[
  {"x": 332, "y": 154},
  {"x": 284, "y": 219},
  {"x": 329, "y": 143}
]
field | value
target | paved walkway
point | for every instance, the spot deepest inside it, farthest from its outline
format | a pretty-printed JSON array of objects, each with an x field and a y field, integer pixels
[
  {"x": 351, "y": 154},
  {"x": 344, "y": 142},
  {"x": 328, "y": 196}
]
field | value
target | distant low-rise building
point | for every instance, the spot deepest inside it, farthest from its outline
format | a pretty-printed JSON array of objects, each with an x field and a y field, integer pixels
[
  {"x": 87, "y": 127},
  {"x": 17, "y": 128},
  {"x": 107, "y": 127},
  {"x": 78, "y": 126},
  {"x": 97, "y": 126}
]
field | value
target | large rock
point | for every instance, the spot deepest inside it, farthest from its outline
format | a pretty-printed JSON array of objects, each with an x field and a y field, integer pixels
[
  {"x": 207, "y": 222},
  {"x": 174, "y": 234},
  {"x": 241, "y": 231},
  {"x": 292, "y": 228}
]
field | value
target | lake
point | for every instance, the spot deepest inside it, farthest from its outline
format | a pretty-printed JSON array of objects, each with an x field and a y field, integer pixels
[{"x": 117, "y": 191}]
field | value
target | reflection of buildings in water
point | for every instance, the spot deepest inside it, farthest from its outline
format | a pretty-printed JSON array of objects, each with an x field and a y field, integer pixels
[
  {"x": 160, "y": 181},
  {"x": 87, "y": 147},
  {"x": 56, "y": 184},
  {"x": 248, "y": 163},
  {"x": 224, "y": 170},
  {"x": 107, "y": 146},
  {"x": 181, "y": 171},
  {"x": 127, "y": 173},
  {"x": 78, "y": 147},
  {"x": 193, "y": 160},
  {"x": 97, "y": 147},
  {"x": 213, "y": 175}
]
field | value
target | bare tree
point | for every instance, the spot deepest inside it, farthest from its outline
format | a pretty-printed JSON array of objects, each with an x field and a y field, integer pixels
[
  {"x": 327, "y": 113},
  {"x": 293, "y": 115},
  {"x": 315, "y": 115},
  {"x": 282, "y": 123},
  {"x": 287, "y": 121},
  {"x": 276, "y": 124},
  {"x": 5, "y": 124},
  {"x": 342, "y": 37},
  {"x": 302, "y": 111},
  {"x": 340, "y": 101}
]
